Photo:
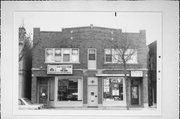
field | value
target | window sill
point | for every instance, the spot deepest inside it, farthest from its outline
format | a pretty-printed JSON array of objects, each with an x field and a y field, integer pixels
[
  {"x": 118, "y": 63},
  {"x": 62, "y": 62}
]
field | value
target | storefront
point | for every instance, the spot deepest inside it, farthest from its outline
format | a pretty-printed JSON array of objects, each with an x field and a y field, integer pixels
[
  {"x": 96, "y": 90},
  {"x": 67, "y": 91},
  {"x": 61, "y": 88},
  {"x": 114, "y": 89}
]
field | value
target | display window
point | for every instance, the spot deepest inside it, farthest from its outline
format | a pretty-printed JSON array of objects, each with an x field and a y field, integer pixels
[
  {"x": 69, "y": 90},
  {"x": 113, "y": 89}
]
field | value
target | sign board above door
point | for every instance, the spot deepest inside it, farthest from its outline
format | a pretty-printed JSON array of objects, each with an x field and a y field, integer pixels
[
  {"x": 136, "y": 74},
  {"x": 59, "y": 69}
]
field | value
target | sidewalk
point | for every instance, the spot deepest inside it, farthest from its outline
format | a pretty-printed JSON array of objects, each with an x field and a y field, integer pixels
[{"x": 99, "y": 108}]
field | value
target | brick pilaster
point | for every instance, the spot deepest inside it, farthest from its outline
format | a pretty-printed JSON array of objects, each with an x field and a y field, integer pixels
[
  {"x": 145, "y": 89},
  {"x": 85, "y": 90},
  {"x": 34, "y": 90},
  {"x": 100, "y": 91}
]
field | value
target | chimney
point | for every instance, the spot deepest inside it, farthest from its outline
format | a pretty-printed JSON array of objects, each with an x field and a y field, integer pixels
[{"x": 91, "y": 25}]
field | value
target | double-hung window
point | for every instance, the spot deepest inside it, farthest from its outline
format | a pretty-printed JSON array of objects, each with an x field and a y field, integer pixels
[
  {"x": 108, "y": 55},
  {"x": 75, "y": 55},
  {"x": 66, "y": 55},
  {"x": 57, "y": 55},
  {"x": 115, "y": 56},
  {"x": 49, "y": 55}
]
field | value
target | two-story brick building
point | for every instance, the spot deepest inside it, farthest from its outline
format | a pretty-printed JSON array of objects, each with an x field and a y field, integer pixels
[{"x": 75, "y": 68}]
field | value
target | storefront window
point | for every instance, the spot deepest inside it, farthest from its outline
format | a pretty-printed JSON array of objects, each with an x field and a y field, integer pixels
[
  {"x": 113, "y": 89},
  {"x": 68, "y": 90}
]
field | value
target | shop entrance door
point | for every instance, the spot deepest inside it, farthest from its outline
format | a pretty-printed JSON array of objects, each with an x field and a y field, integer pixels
[
  {"x": 43, "y": 94},
  {"x": 92, "y": 96},
  {"x": 135, "y": 95}
]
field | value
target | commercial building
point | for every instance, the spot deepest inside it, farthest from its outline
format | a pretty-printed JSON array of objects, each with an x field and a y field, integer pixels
[
  {"x": 152, "y": 71},
  {"x": 75, "y": 67}
]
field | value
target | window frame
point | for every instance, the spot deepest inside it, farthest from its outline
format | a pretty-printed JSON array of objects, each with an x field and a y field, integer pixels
[
  {"x": 123, "y": 91},
  {"x": 77, "y": 53},
  {"x": 95, "y": 54},
  {"x": 112, "y": 62},
  {"x": 62, "y": 55},
  {"x": 105, "y": 55},
  {"x": 69, "y": 88},
  {"x": 66, "y": 54},
  {"x": 46, "y": 55}
]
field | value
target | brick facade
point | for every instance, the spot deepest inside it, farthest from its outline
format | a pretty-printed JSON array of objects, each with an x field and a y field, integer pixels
[{"x": 84, "y": 38}]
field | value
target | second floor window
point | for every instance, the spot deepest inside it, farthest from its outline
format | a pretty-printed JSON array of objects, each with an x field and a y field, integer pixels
[
  {"x": 113, "y": 56},
  {"x": 66, "y": 55},
  {"x": 108, "y": 55},
  {"x": 62, "y": 55},
  {"x": 92, "y": 54}
]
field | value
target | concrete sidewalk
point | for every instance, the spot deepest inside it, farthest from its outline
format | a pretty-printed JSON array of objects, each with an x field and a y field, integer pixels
[{"x": 99, "y": 108}]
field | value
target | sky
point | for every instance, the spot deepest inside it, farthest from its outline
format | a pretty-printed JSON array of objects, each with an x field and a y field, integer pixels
[{"x": 127, "y": 21}]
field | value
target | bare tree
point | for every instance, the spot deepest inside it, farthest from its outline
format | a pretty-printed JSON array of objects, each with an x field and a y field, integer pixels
[
  {"x": 124, "y": 49},
  {"x": 27, "y": 46}
]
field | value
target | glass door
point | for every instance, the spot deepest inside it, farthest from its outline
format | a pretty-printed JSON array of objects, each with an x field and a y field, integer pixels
[{"x": 135, "y": 95}]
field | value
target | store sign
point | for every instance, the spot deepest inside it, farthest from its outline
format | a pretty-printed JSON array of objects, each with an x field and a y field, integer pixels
[
  {"x": 111, "y": 75},
  {"x": 115, "y": 92},
  {"x": 59, "y": 69},
  {"x": 136, "y": 73}
]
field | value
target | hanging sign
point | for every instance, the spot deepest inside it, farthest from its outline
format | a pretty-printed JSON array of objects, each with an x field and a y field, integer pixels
[
  {"x": 136, "y": 74},
  {"x": 115, "y": 92},
  {"x": 59, "y": 69}
]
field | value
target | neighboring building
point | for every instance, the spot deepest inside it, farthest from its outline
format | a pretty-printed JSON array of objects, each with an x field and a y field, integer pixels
[
  {"x": 25, "y": 65},
  {"x": 152, "y": 66},
  {"x": 75, "y": 68}
]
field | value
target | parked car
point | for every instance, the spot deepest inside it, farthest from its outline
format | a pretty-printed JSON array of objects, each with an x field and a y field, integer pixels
[{"x": 26, "y": 104}]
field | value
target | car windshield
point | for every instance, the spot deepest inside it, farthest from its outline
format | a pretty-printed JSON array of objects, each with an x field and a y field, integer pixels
[{"x": 28, "y": 101}]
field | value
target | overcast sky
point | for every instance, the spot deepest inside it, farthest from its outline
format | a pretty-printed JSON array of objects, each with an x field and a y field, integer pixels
[{"x": 127, "y": 21}]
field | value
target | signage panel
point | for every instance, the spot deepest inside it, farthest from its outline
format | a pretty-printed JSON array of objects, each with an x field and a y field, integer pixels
[
  {"x": 136, "y": 74},
  {"x": 59, "y": 69},
  {"x": 111, "y": 75}
]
